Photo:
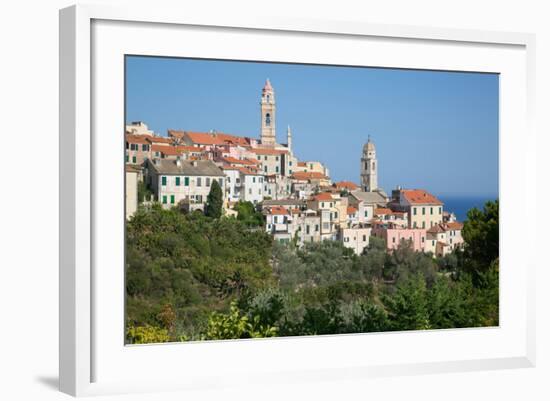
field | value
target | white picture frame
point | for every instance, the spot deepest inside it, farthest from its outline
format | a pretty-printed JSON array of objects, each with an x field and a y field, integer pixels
[{"x": 92, "y": 360}]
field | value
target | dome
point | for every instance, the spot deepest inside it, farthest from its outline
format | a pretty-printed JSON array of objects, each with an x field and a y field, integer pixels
[{"x": 369, "y": 146}]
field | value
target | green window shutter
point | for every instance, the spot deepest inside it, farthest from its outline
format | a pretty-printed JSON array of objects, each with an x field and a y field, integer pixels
[
  {"x": 172, "y": 199},
  {"x": 163, "y": 180},
  {"x": 177, "y": 181},
  {"x": 127, "y": 158},
  {"x": 134, "y": 160},
  {"x": 186, "y": 180},
  {"x": 164, "y": 199}
]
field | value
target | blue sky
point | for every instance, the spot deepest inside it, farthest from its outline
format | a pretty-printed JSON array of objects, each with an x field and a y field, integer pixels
[{"x": 432, "y": 130}]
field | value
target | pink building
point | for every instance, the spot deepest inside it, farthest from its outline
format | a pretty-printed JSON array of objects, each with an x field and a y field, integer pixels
[{"x": 394, "y": 235}]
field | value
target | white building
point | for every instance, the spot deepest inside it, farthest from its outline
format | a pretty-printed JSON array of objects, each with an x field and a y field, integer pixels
[
  {"x": 356, "y": 238},
  {"x": 173, "y": 181}
]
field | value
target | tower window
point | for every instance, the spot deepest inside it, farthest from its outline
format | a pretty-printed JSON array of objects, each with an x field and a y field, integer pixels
[
  {"x": 268, "y": 119},
  {"x": 267, "y": 98}
]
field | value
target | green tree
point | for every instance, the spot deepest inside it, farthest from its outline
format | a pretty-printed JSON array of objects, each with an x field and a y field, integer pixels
[
  {"x": 247, "y": 213},
  {"x": 481, "y": 237},
  {"x": 214, "y": 201},
  {"x": 408, "y": 306},
  {"x": 146, "y": 335}
]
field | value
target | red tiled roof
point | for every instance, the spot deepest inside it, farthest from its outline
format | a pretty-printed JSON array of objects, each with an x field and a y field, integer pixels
[
  {"x": 183, "y": 148},
  {"x": 233, "y": 139},
  {"x": 352, "y": 210},
  {"x": 382, "y": 210},
  {"x": 346, "y": 185},
  {"x": 323, "y": 196},
  {"x": 176, "y": 133},
  {"x": 455, "y": 225},
  {"x": 302, "y": 175},
  {"x": 160, "y": 139},
  {"x": 302, "y": 164},
  {"x": 420, "y": 197},
  {"x": 437, "y": 229},
  {"x": 277, "y": 210},
  {"x": 204, "y": 138},
  {"x": 141, "y": 139},
  {"x": 268, "y": 151},
  {"x": 167, "y": 150}
]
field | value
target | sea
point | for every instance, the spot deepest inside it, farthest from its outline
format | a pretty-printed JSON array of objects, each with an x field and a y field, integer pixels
[{"x": 460, "y": 205}]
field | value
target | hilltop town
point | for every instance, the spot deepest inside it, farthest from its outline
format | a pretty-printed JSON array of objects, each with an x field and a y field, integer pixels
[{"x": 297, "y": 197}]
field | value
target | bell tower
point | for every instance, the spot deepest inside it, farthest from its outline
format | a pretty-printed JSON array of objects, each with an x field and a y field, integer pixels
[
  {"x": 369, "y": 168},
  {"x": 267, "y": 107}
]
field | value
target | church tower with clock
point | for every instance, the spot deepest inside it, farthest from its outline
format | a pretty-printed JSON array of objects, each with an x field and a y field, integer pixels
[
  {"x": 369, "y": 166},
  {"x": 268, "y": 108}
]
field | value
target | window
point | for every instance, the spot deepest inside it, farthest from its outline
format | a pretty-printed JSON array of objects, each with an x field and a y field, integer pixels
[
  {"x": 186, "y": 181},
  {"x": 423, "y": 224},
  {"x": 208, "y": 181},
  {"x": 220, "y": 181},
  {"x": 127, "y": 158},
  {"x": 276, "y": 169},
  {"x": 177, "y": 181},
  {"x": 134, "y": 160},
  {"x": 366, "y": 213},
  {"x": 163, "y": 180},
  {"x": 335, "y": 215},
  {"x": 316, "y": 227},
  {"x": 172, "y": 199},
  {"x": 259, "y": 157},
  {"x": 199, "y": 182},
  {"x": 268, "y": 119},
  {"x": 265, "y": 158},
  {"x": 431, "y": 210},
  {"x": 289, "y": 171},
  {"x": 422, "y": 239},
  {"x": 307, "y": 229},
  {"x": 322, "y": 204},
  {"x": 393, "y": 240},
  {"x": 277, "y": 158},
  {"x": 265, "y": 169},
  {"x": 267, "y": 98},
  {"x": 164, "y": 199},
  {"x": 414, "y": 225},
  {"x": 414, "y": 211},
  {"x": 364, "y": 238},
  {"x": 290, "y": 163},
  {"x": 145, "y": 148},
  {"x": 249, "y": 191},
  {"x": 440, "y": 210},
  {"x": 254, "y": 179},
  {"x": 423, "y": 211},
  {"x": 325, "y": 226}
]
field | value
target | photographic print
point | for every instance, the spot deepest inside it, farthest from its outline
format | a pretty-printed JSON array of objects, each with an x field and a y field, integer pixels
[{"x": 279, "y": 199}]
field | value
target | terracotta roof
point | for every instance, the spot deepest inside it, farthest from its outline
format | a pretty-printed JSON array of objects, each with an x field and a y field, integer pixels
[
  {"x": 233, "y": 160},
  {"x": 420, "y": 197},
  {"x": 323, "y": 196},
  {"x": 167, "y": 150},
  {"x": 437, "y": 229},
  {"x": 382, "y": 210},
  {"x": 176, "y": 133},
  {"x": 346, "y": 185},
  {"x": 186, "y": 149},
  {"x": 268, "y": 151},
  {"x": 132, "y": 168},
  {"x": 204, "y": 138},
  {"x": 455, "y": 225},
  {"x": 302, "y": 175},
  {"x": 160, "y": 139},
  {"x": 277, "y": 210},
  {"x": 295, "y": 211},
  {"x": 233, "y": 139},
  {"x": 302, "y": 164},
  {"x": 141, "y": 139},
  {"x": 352, "y": 210}
]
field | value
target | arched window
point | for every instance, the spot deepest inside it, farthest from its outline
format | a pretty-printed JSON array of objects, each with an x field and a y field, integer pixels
[
  {"x": 267, "y": 98},
  {"x": 373, "y": 166},
  {"x": 268, "y": 119}
]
